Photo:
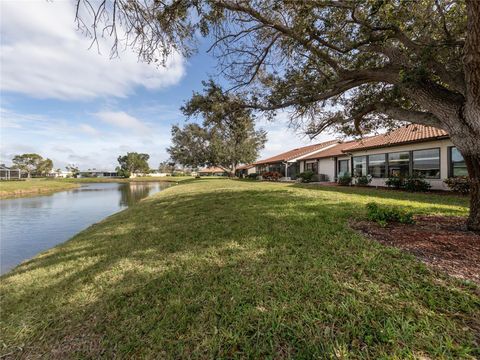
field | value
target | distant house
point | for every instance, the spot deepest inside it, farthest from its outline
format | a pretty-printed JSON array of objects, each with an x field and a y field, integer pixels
[
  {"x": 286, "y": 163},
  {"x": 98, "y": 174},
  {"x": 60, "y": 174},
  {"x": 245, "y": 170},
  {"x": 8, "y": 173},
  {"x": 213, "y": 171},
  {"x": 151, "y": 174}
]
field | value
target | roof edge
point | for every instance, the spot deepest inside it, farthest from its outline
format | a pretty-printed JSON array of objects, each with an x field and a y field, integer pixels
[{"x": 346, "y": 151}]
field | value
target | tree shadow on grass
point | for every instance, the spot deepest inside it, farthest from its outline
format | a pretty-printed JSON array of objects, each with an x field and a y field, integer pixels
[{"x": 232, "y": 273}]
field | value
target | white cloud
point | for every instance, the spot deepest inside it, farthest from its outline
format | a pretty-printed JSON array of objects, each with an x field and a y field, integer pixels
[
  {"x": 123, "y": 120},
  {"x": 66, "y": 142},
  {"x": 87, "y": 129},
  {"x": 43, "y": 56}
]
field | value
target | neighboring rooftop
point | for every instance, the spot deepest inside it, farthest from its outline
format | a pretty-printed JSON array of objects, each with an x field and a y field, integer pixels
[
  {"x": 296, "y": 153},
  {"x": 404, "y": 135},
  {"x": 244, "y": 167},
  {"x": 213, "y": 169}
]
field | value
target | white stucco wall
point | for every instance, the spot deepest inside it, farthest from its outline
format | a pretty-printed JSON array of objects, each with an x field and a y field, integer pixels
[
  {"x": 327, "y": 167},
  {"x": 437, "y": 184}
]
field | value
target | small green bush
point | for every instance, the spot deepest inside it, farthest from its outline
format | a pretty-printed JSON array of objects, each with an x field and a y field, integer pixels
[
  {"x": 252, "y": 176},
  {"x": 306, "y": 176},
  {"x": 344, "y": 180},
  {"x": 395, "y": 182},
  {"x": 460, "y": 184},
  {"x": 384, "y": 215},
  {"x": 363, "y": 180},
  {"x": 416, "y": 183},
  {"x": 409, "y": 183}
]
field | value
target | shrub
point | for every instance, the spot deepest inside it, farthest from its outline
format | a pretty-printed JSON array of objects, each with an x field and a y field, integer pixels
[
  {"x": 384, "y": 215},
  {"x": 344, "y": 180},
  {"x": 460, "y": 184},
  {"x": 252, "y": 176},
  {"x": 272, "y": 175},
  {"x": 395, "y": 182},
  {"x": 416, "y": 183},
  {"x": 363, "y": 180},
  {"x": 306, "y": 176}
]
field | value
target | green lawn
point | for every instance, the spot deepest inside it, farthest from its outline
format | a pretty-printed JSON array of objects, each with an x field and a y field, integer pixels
[
  {"x": 236, "y": 269},
  {"x": 33, "y": 187}
]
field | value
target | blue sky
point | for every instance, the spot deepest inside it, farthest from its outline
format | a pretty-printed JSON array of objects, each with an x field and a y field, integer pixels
[{"x": 74, "y": 105}]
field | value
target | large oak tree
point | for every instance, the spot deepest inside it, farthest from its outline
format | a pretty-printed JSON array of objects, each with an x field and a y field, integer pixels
[
  {"x": 226, "y": 136},
  {"x": 350, "y": 64}
]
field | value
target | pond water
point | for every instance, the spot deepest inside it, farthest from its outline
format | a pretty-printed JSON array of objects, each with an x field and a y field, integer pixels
[{"x": 33, "y": 224}]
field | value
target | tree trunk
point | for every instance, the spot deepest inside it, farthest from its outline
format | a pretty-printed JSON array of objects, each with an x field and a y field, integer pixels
[{"x": 473, "y": 166}]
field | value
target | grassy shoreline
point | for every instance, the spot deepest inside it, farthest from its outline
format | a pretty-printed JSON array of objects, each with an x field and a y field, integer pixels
[
  {"x": 122, "y": 180},
  {"x": 44, "y": 186},
  {"x": 15, "y": 189},
  {"x": 232, "y": 269}
]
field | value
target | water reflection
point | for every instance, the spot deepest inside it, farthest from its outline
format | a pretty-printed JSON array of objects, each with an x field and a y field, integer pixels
[
  {"x": 33, "y": 224},
  {"x": 134, "y": 192}
]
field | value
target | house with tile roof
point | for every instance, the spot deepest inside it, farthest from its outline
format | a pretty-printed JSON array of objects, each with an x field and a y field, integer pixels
[
  {"x": 286, "y": 163},
  {"x": 406, "y": 151}
]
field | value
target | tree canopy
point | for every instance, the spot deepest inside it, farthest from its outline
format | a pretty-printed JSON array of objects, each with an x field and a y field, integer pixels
[
  {"x": 133, "y": 163},
  {"x": 226, "y": 137},
  {"x": 74, "y": 169},
  {"x": 349, "y": 65},
  {"x": 33, "y": 164}
]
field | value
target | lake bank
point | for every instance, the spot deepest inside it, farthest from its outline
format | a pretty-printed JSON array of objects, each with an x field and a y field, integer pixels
[
  {"x": 33, "y": 187},
  {"x": 223, "y": 268},
  {"x": 36, "y": 223},
  {"x": 170, "y": 179},
  {"x": 45, "y": 186}
]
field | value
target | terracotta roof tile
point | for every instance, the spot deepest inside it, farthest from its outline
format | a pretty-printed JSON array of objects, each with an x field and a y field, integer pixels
[
  {"x": 295, "y": 153},
  {"x": 406, "y": 134},
  {"x": 336, "y": 150}
]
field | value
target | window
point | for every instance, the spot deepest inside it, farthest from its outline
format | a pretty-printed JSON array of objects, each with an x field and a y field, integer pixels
[
  {"x": 359, "y": 166},
  {"x": 343, "y": 167},
  {"x": 399, "y": 164},
  {"x": 277, "y": 167},
  {"x": 457, "y": 163},
  {"x": 377, "y": 165},
  {"x": 261, "y": 169},
  {"x": 427, "y": 163},
  {"x": 311, "y": 167}
]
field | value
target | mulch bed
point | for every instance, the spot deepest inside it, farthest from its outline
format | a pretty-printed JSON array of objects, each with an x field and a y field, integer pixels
[{"x": 441, "y": 242}]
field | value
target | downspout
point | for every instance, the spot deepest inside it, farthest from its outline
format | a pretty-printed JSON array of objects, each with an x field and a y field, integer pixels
[{"x": 286, "y": 168}]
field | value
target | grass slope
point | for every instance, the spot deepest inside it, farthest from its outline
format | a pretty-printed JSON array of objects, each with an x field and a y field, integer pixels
[
  {"x": 232, "y": 269},
  {"x": 32, "y": 187}
]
